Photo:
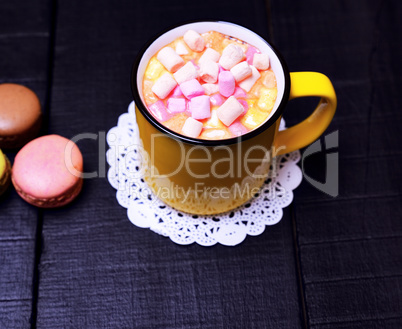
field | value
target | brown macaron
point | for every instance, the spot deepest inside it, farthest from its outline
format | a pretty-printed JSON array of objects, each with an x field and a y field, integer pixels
[{"x": 20, "y": 115}]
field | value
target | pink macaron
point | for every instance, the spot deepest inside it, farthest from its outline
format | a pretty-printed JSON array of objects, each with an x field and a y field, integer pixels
[{"x": 47, "y": 172}]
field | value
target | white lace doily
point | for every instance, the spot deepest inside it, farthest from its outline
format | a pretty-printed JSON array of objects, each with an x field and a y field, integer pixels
[{"x": 145, "y": 210}]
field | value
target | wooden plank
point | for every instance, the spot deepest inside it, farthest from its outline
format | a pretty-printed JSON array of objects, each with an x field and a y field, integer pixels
[
  {"x": 24, "y": 40},
  {"x": 384, "y": 172},
  {"x": 350, "y": 246},
  {"x": 363, "y": 300},
  {"x": 358, "y": 218},
  {"x": 97, "y": 270},
  {"x": 17, "y": 253},
  {"x": 375, "y": 257}
]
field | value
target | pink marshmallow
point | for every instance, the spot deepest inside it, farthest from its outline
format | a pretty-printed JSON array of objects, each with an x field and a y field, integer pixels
[
  {"x": 163, "y": 86},
  {"x": 194, "y": 40},
  {"x": 176, "y": 105},
  {"x": 209, "y": 71},
  {"x": 238, "y": 93},
  {"x": 210, "y": 88},
  {"x": 226, "y": 83},
  {"x": 221, "y": 69},
  {"x": 237, "y": 129},
  {"x": 231, "y": 55},
  {"x": 229, "y": 111},
  {"x": 249, "y": 82},
  {"x": 192, "y": 88},
  {"x": 250, "y": 54},
  {"x": 187, "y": 72},
  {"x": 210, "y": 54},
  {"x": 261, "y": 61},
  {"x": 192, "y": 128},
  {"x": 241, "y": 71},
  {"x": 216, "y": 100},
  {"x": 159, "y": 110},
  {"x": 245, "y": 106},
  {"x": 170, "y": 59},
  {"x": 176, "y": 92},
  {"x": 200, "y": 107}
]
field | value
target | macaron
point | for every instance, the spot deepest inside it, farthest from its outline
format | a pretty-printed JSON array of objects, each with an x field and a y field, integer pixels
[
  {"x": 20, "y": 115},
  {"x": 47, "y": 172},
  {"x": 5, "y": 173}
]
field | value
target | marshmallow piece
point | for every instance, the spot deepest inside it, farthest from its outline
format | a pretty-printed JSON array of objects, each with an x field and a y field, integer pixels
[
  {"x": 170, "y": 59},
  {"x": 215, "y": 133},
  {"x": 210, "y": 54},
  {"x": 226, "y": 83},
  {"x": 194, "y": 40},
  {"x": 192, "y": 88},
  {"x": 181, "y": 49},
  {"x": 200, "y": 107},
  {"x": 238, "y": 93},
  {"x": 210, "y": 88},
  {"x": 164, "y": 85},
  {"x": 241, "y": 71},
  {"x": 177, "y": 92},
  {"x": 249, "y": 82},
  {"x": 231, "y": 55},
  {"x": 209, "y": 71},
  {"x": 230, "y": 111},
  {"x": 245, "y": 106},
  {"x": 176, "y": 105},
  {"x": 192, "y": 128},
  {"x": 159, "y": 111},
  {"x": 261, "y": 61},
  {"x": 216, "y": 100},
  {"x": 250, "y": 54},
  {"x": 186, "y": 73},
  {"x": 237, "y": 129}
]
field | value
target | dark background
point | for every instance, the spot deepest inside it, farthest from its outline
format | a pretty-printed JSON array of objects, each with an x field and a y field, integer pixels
[{"x": 329, "y": 263}]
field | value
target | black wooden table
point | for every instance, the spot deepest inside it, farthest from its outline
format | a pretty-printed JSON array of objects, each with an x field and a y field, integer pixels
[{"x": 329, "y": 263}]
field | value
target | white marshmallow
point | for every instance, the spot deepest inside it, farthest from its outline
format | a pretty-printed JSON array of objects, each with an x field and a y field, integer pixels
[
  {"x": 261, "y": 61},
  {"x": 186, "y": 73},
  {"x": 241, "y": 71},
  {"x": 164, "y": 85},
  {"x": 210, "y": 54},
  {"x": 229, "y": 111},
  {"x": 210, "y": 88},
  {"x": 194, "y": 40},
  {"x": 249, "y": 82},
  {"x": 209, "y": 71},
  {"x": 181, "y": 49},
  {"x": 231, "y": 55},
  {"x": 170, "y": 59},
  {"x": 192, "y": 127}
]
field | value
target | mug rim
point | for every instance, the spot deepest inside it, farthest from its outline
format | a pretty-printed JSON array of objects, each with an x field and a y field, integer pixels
[{"x": 207, "y": 142}]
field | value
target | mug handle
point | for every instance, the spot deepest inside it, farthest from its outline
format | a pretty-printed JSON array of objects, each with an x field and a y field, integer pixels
[{"x": 303, "y": 84}]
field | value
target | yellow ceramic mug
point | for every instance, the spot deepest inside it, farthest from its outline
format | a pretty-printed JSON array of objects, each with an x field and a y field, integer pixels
[{"x": 213, "y": 176}]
